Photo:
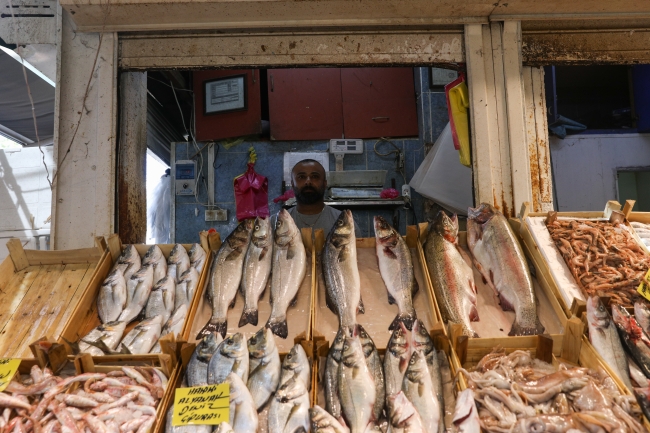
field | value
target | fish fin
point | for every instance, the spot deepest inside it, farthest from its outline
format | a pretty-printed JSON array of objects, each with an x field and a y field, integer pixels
[
  {"x": 294, "y": 301},
  {"x": 278, "y": 327},
  {"x": 484, "y": 280},
  {"x": 491, "y": 277},
  {"x": 220, "y": 326},
  {"x": 208, "y": 296},
  {"x": 355, "y": 371},
  {"x": 406, "y": 318},
  {"x": 232, "y": 303},
  {"x": 248, "y": 316},
  {"x": 420, "y": 389},
  {"x": 343, "y": 254},
  {"x": 291, "y": 251},
  {"x": 234, "y": 254},
  {"x": 74, "y": 347},
  {"x": 101, "y": 346},
  {"x": 124, "y": 350},
  {"x": 389, "y": 253},
  {"x": 473, "y": 314},
  {"x": 517, "y": 329},
  {"x": 263, "y": 253},
  {"x": 391, "y": 300},
  {"x": 361, "y": 309},
  {"x": 330, "y": 302},
  {"x": 505, "y": 304}
]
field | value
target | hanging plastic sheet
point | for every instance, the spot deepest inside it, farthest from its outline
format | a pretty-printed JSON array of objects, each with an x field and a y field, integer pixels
[
  {"x": 251, "y": 192},
  {"x": 458, "y": 105}
]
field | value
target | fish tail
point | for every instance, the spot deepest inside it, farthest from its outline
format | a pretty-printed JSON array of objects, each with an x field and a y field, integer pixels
[
  {"x": 73, "y": 346},
  {"x": 361, "y": 309},
  {"x": 518, "y": 329},
  {"x": 407, "y": 318},
  {"x": 278, "y": 326},
  {"x": 248, "y": 316},
  {"x": 214, "y": 325}
]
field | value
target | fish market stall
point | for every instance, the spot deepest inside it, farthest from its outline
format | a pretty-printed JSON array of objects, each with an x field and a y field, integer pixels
[{"x": 40, "y": 290}]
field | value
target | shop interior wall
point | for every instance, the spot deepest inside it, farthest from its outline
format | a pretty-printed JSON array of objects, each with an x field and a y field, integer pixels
[{"x": 432, "y": 118}]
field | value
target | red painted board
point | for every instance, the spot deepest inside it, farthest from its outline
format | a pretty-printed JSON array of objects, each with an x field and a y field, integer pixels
[
  {"x": 379, "y": 102},
  {"x": 305, "y": 103},
  {"x": 229, "y": 124}
]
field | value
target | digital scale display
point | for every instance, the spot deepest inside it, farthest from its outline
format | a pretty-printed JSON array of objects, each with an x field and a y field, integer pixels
[{"x": 185, "y": 172}]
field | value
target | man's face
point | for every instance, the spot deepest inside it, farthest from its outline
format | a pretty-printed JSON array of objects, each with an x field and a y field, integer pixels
[{"x": 308, "y": 182}]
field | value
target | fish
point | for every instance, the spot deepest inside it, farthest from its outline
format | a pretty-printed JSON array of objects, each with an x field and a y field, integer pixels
[
  {"x": 143, "y": 337},
  {"x": 340, "y": 271},
  {"x": 453, "y": 278},
  {"x": 373, "y": 361},
  {"x": 500, "y": 259},
  {"x": 465, "y": 418},
  {"x": 296, "y": 363},
  {"x": 112, "y": 297},
  {"x": 633, "y": 337},
  {"x": 421, "y": 340},
  {"x": 192, "y": 428},
  {"x": 230, "y": 356},
  {"x": 197, "y": 257},
  {"x": 289, "y": 408},
  {"x": 357, "y": 389},
  {"x": 128, "y": 262},
  {"x": 643, "y": 398},
  {"x": 177, "y": 263},
  {"x": 161, "y": 300},
  {"x": 288, "y": 270},
  {"x": 196, "y": 373},
  {"x": 243, "y": 416},
  {"x": 186, "y": 287},
  {"x": 398, "y": 354},
  {"x": 418, "y": 388},
  {"x": 331, "y": 376},
  {"x": 257, "y": 268},
  {"x": 396, "y": 269},
  {"x": 138, "y": 289},
  {"x": 156, "y": 259},
  {"x": 174, "y": 324},
  {"x": 323, "y": 422},
  {"x": 605, "y": 339},
  {"x": 225, "y": 277},
  {"x": 264, "y": 366},
  {"x": 402, "y": 415},
  {"x": 110, "y": 333},
  {"x": 642, "y": 315}
]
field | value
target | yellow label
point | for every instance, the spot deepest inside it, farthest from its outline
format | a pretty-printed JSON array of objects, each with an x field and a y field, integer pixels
[
  {"x": 209, "y": 405},
  {"x": 8, "y": 368},
  {"x": 644, "y": 287}
]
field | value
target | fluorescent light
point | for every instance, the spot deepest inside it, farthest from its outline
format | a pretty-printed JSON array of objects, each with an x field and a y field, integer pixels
[{"x": 19, "y": 59}]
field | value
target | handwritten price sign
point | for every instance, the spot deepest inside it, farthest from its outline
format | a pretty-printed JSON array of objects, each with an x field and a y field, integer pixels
[
  {"x": 8, "y": 368},
  {"x": 208, "y": 405}
]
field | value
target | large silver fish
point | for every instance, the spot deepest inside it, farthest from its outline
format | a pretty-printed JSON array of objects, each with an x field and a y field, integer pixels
[
  {"x": 396, "y": 359},
  {"x": 156, "y": 258},
  {"x": 243, "y": 415},
  {"x": 288, "y": 271},
  {"x": 343, "y": 295},
  {"x": 225, "y": 277},
  {"x": 331, "y": 376},
  {"x": 143, "y": 337},
  {"x": 396, "y": 268},
  {"x": 161, "y": 299},
  {"x": 257, "y": 268},
  {"x": 178, "y": 262},
  {"x": 186, "y": 287},
  {"x": 110, "y": 333},
  {"x": 376, "y": 369},
  {"x": 642, "y": 315},
  {"x": 323, "y": 422},
  {"x": 356, "y": 385},
  {"x": 604, "y": 337},
  {"x": 421, "y": 340},
  {"x": 231, "y": 356},
  {"x": 174, "y": 324},
  {"x": 418, "y": 388},
  {"x": 501, "y": 261},
  {"x": 453, "y": 278},
  {"x": 402, "y": 415},
  {"x": 197, "y": 257},
  {"x": 192, "y": 428},
  {"x": 129, "y": 262},
  {"x": 289, "y": 409},
  {"x": 264, "y": 366},
  {"x": 196, "y": 373},
  {"x": 138, "y": 289},
  {"x": 112, "y": 297},
  {"x": 296, "y": 363}
]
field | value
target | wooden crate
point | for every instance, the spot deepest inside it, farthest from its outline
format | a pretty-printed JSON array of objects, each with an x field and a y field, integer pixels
[
  {"x": 299, "y": 317},
  {"x": 39, "y": 292},
  {"x": 85, "y": 317}
]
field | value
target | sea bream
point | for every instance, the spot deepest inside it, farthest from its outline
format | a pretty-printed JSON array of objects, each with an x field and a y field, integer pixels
[
  {"x": 110, "y": 333},
  {"x": 112, "y": 296},
  {"x": 296, "y": 363},
  {"x": 453, "y": 278},
  {"x": 264, "y": 366},
  {"x": 138, "y": 289},
  {"x": 257, "y": 268},
  {"x": 225, "y": 277},
  {"x": 143, "y": 337},
  {"x": 324, "y": 422},
  {"x": 605, "y": 339},
  {"x": 196, "y": 373},
  {"x": 161, "y": 300},
  {"x": 197, "y": 257},
  {"x": 156, "y": 259},
  {"x": 396, "y": 268},
  {"x": 633, "y": 337},
  {"x": 289, "y": 408},
  {"x": 340, "y": 271},
  {"x": 230, "y": 356},
  {"x": 186, "y": 287},
  {"x": 178, "y": 262},
  {"x": 243, "y": 416},
  {"x": 129, "y": 262},
  {"x": 288, "y": 270},
  {"x": 500, "y": 259}
]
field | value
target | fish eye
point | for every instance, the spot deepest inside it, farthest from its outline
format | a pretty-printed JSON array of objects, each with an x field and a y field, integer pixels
[
  {"x": 257, "y": 227},
  {"x": 346, "y": 347},
  {"x": 339, "y": 222},
  {"x": 289, "y": 356},
  {"x": 412, "y": 361}
]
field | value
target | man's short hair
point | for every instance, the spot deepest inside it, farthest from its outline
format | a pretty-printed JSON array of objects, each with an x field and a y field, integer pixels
[{"x": 306, "y": 161}]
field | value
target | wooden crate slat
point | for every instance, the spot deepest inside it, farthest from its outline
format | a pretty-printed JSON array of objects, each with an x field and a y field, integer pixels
[
  {"x": 15, "y": 291},
  {"x": 17, "y": 254},
  {"x": 64, "y": 257}
]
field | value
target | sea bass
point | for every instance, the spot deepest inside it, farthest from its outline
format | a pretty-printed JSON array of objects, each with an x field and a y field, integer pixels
[
  {"x": 340, "y": 271},
  {"x": 138, "y": 289},
  {"x": 421, "y": 341},
  {"x": 396, "y": 359},
  {"x": 402, "y": 415},
  {"x": 129, "y": 262},
  {"x": 264, "y": 366},
  {"x": 289, "y": 409},
  {"x": 466, "y": 418},
  {"x": 230, "y": 356},
  {"x": 634, "y": 338},
  {"x": 396, "y": 268},
  {"x": 186, "y": 287},
  {"x": 288, "y": 271},
  {"x": 642, "y": 315},
  {"x": 605, "y": 339},
  {"x": 453, "y": 278},
  {"x": 418, "y": 388},
  {"x": 331, "y": 385},
  {"x": 156, "y": 259},
  {"x": 500, "y": 259},
  {"x": 197, "y": 257},
  {"x": 196, "y": 373},
  {"x": 243, "y": 416},
  {"x": 161, "y": 300},
  {"x": 225, "y": 277},
  {"x": 178, "y": 262},
  {"x": 143, "y": 337},
  {"x": 112, "y": 296},
  {"x": 296, "y": 363},
  {"x": 373, "y": 361},
  {"x": 257, "y": 268},
  {"x": 323, "y": 422},
  {"x": 110, "y": 333}
]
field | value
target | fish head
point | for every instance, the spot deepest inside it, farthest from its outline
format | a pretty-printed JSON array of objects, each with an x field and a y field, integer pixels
[
  {"x": 295, "y": 358},
  {"x": 597, "y": 313},
  {"x": 384, "y": 232},
  {"x": 398, "y": 344},
  {"x": 234, "y": 345},
  {"x": 207, "y": 346},
  {"x": 421, "y": 338},
  {"x": 115, "y": 326},
  {"x": 195, "y": 252},
  {"x": 164, "y": 284},
  {"x": 145, "y": 272},
  {"x": 261, "y": 231},
  {"x": 114, "y": 277},
  {"x": 417, "y": 366},
  {"x": 352, "y": 350},
  {"x": 285, "y": 228},
  {"x": 153, "y": 255},
  {"x": 176, "y": 254},
  {"x": 482, "y": 214},
  {"x": 261, "y": 343},
  {"x": 342, "y": 232},
  {"x": 446, "y": 226},
  {"x": 128, "y": 254},
  {"x": 188, "y": 275},
  {"x": 366, "y": 341},
  {"x": 290, "y": 390},
  {"x": 224, "y": 427}
]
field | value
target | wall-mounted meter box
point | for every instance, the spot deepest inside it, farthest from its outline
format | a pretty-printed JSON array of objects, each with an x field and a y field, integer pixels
[
  {"x": 346, "y": 146},
  {"x": 185, "y": 181}
]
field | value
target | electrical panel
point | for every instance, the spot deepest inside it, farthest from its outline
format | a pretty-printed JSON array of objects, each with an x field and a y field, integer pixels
[{"x": 185, "y": 180}]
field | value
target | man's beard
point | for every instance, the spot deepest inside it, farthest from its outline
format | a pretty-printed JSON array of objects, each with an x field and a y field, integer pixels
[{"x": 309, "y": 195}]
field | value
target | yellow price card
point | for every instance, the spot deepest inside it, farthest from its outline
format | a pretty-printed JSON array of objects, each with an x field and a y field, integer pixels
[
  {"x": 644, "y": 287},
  {"x": 8, "y": 368},
  {"x": 208, "y": 405}
]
